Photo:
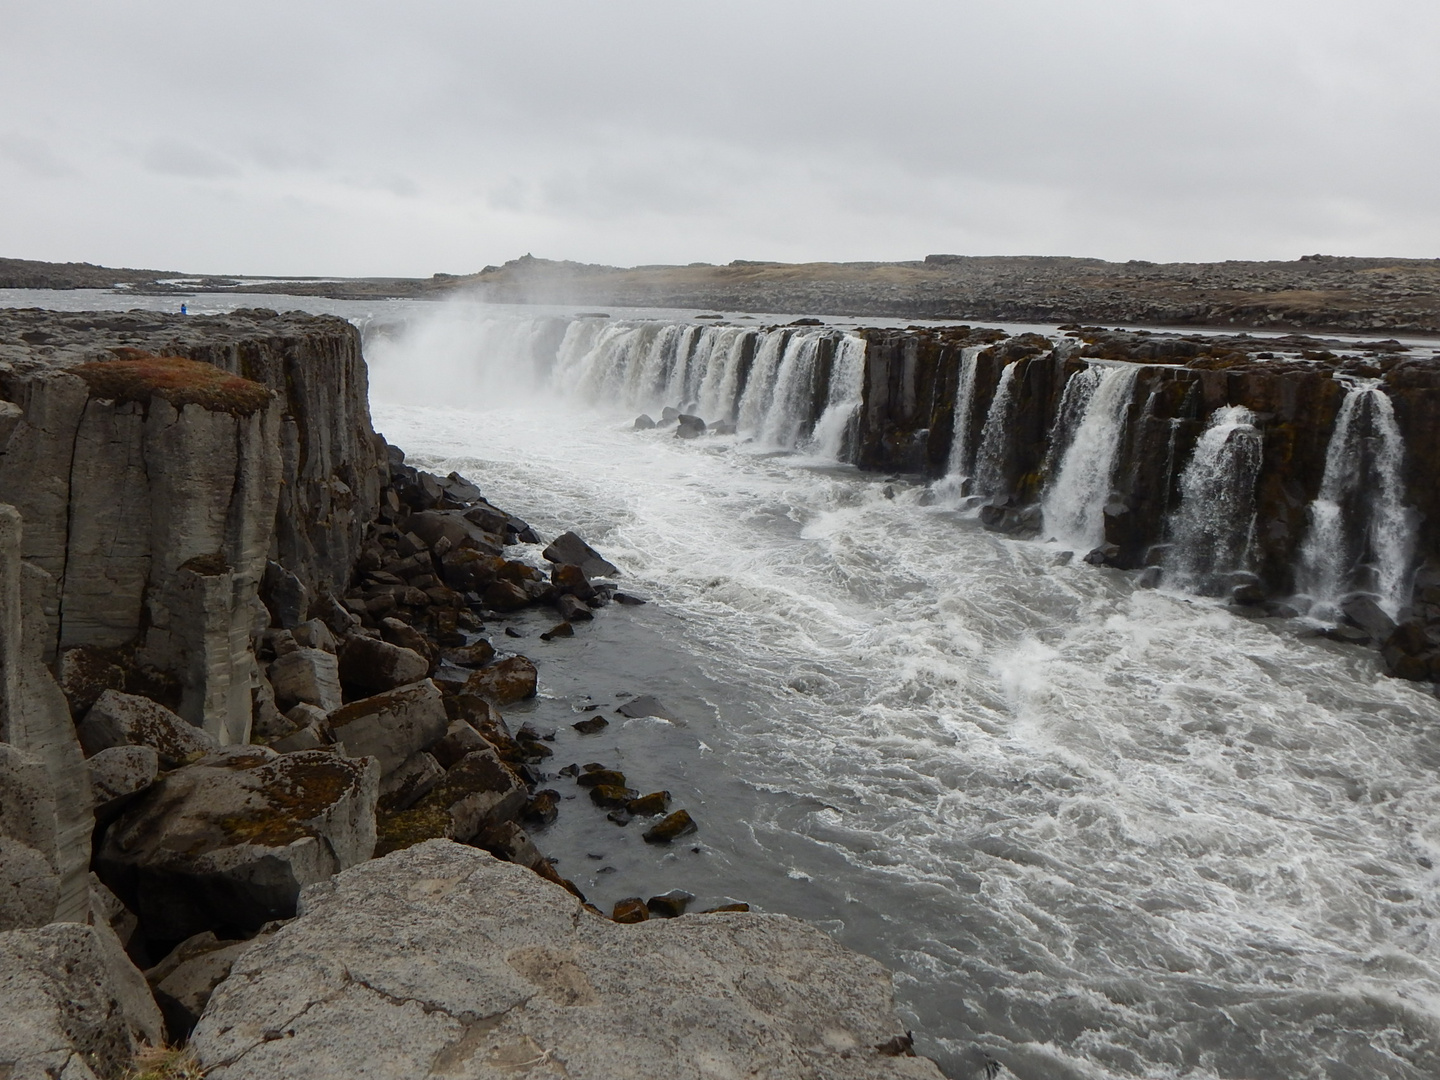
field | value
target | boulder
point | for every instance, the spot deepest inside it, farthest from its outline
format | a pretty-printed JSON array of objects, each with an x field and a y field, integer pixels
[
  {"x": 573, "y": 609},
  {"x": 118, "y": 774},
  {"x": 477, "y": 792},
  {"x": 316, "y": 736},
  {"x": 476, "y": 654},
  {"x": 646, "y": 705},
  {"x": 451, "y": 525},
  {"x": 569, "y": 548},
  {"x": 1364, "y": 612},
  {"x": 505, "y": 596},
  {"x": 510, "y": 680},
  {"x": 74, "y": 1006},
  {"x": 568, "y": 578},
  {"x": 118, "y": 719},
  {"x": 314, "y": 634},
  {"x": 643, "y": 423},
  {"x": 391, "y": 726},
  {"x": 689, "y": 427},
  {"x": 226, "y": 844},
  {"x": 377, "y": 666},
  {"x": 469, "y": 569},
  {"x": 412, "y": 781},
  {"x": 406, "y": 636},
  {"x": 459, "y": 739},
  {"x": 311, "y": 676},
  {"x": 390, "y": 967},
  {"x": 672, "y": 827}
]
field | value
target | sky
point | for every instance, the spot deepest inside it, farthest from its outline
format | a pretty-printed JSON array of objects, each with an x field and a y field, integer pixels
[{"x": 380, "y": 138}]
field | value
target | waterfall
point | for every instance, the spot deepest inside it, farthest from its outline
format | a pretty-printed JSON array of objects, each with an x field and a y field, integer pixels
[
  {"x": 792, "y": 404},
  {"x": 962, "y": 442},
  {"x": 834, "y": 435},
  {"x": 1074, "y": 504},
  {"x": 993, "y": 455},
  {"x": 1361, "y": 534},
  {"x": 1079, "y": 389},
  {"x": 1211, "y": 528}
]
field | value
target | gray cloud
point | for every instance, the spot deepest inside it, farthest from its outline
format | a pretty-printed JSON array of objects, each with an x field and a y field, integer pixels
[{"x": 443, "y": 135}]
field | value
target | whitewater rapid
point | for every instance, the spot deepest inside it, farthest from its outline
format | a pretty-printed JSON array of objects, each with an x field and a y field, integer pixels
[{"x": 1097, "y": 832}]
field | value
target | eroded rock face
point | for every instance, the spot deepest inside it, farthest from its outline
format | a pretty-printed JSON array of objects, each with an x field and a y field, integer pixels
[
  {"x": 227, "y": 844},
  {"x": 73, "y": 1005},
  {"x": 389, "y": 967}
]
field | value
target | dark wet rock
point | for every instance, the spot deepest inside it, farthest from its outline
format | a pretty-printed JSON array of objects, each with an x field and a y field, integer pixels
[
  {"x": 1012, "y": 520},
  {"x": 611, "y": 796},
  {"x": 1364, "y": 612},
  {"x": 543, "y": 807},
  {"x": 657, "y": 802},
  {"x": 510, "y": 631},
  {"x": 505, "y": 596},
  {"x": 619, "y": 816},
  {"x": 572, "y": 579},
  {"x": 669, "y": 414},
  {"x": 899, "y": 1046},
  {"x": 645, "y": 705},
  {"x": 689, "y": 427},
  {"x": 228, "y": 843},
  {"x": 643, "y": 423},
  {"x": 1105, "y": 555},
  {"x": 569, "y": 548},
  {"x": 1348, "y": 635},
  {"x": 670, "y": 905},
  {"x": 375, "y": 666},
  {"x": 628, "y": 600},
  {"x": 469, "y": 569},
  {"x": 477, "y": 654},
  {"x": 722, "y": 427},
  {"x": 723, "y": 908},
  {"x": 118, "y": 719},
  {"x": 591, "y": 726},
  {"x": 1249, "y": 594},
  {"x": 559, "y": 630},
  {"x": 573, "y": 609},
  {"x": 503, "y": 683},
  {"x": 678, "y": 824},
  {"x": 595, "y": 777},
  {"x": 630, "y": 910}
]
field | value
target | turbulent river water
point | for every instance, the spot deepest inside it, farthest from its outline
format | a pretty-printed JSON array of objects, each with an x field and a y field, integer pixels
[{"x": 1096, "y": 831}]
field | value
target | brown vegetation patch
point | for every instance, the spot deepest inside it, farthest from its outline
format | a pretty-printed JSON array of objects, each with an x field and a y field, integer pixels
[{"x": 138, "y": 376}]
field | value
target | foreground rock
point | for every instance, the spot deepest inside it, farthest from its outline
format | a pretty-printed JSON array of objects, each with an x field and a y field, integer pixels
[
  {"x": 227, "y": 844},
  {"x": 441, "y": 961},
  {"x": 72, "y": 1006}
]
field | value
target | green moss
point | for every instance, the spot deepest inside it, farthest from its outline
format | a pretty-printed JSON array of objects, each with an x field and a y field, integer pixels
[
  {"x": 138, "y": 376},
  {"x": 299, "y": 792}
]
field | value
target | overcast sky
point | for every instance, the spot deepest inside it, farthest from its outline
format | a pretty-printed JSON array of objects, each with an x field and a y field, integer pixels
[{"x": 407, "y": 138}]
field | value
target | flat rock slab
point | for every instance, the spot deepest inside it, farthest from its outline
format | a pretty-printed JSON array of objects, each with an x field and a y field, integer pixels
[{"x": 441, "y": 961}]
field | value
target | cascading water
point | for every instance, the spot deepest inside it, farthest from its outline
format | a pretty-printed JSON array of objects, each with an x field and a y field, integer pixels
[
  {"x": 1079, "y": 389},
  {"x": 793, "y": 399},
  {"x": 1211, "y": 528},
  {"x": 1074, "y": 505},
  {"x": 834, "y": 434},
  {"x": 1361, "y": 536},
  {"x": 992, "y": 456},
  {"x": 962, "y": 441}
]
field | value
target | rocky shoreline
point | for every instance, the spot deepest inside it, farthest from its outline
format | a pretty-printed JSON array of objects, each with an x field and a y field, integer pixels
[{"x": 250, "y": 654}]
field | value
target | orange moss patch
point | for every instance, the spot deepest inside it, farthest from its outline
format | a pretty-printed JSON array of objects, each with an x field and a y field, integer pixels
[{"x": 137, "y": 376}]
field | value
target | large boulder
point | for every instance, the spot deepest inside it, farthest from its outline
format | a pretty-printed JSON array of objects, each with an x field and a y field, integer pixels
[
  {"x": 118, "y": 719},
  {"x": 569, "y": 548},
  {"x": 184, "y": 980},
  {"x": 73, "y": 1005},
  {"x": 308, "y": 676},
  {"x": 442, "y": 961},
  {"x": 477, "y": 792},
  {"x": 118, "y": 775},
  {"x": 375, "y": 665},
  {"x": 29, "y": 886},
  {"x": 227, "y": 844},
  {"x": 391, "y": 726},
  {"x": 510, "y": 680}
]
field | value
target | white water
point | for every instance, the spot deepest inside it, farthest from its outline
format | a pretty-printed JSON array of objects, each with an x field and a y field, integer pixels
[
  {"x": 1074, "y": 503},
  {"x": 1098, "y": 833},
  {"x": 834, "y": 433},
  {"x": 1359, "y": 520},
  {"x": 962, "y": 442},
  {"x": 1211, "y": 528},
  {"x": 990, "y": 458}
]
